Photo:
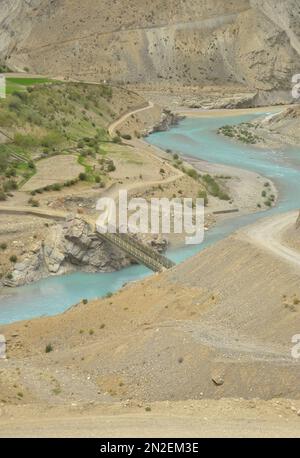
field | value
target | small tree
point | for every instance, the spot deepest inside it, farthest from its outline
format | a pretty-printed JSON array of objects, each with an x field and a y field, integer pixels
[{"x": 82, "y": 176}]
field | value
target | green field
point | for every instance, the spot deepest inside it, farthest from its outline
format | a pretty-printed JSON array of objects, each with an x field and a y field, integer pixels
[
  {"x": 43, "y": 120},
  {"x": 19, "y": 84}
]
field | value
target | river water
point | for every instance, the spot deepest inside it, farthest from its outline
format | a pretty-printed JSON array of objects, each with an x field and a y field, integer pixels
[{"x": 195, "y": 137}]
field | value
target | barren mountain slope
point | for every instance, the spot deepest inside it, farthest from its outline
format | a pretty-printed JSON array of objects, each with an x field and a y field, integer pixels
[{"x": 250, "y": 42}]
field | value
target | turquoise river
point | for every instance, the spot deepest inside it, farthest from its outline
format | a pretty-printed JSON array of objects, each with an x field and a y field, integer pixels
[{"x": 195, "y": 137}]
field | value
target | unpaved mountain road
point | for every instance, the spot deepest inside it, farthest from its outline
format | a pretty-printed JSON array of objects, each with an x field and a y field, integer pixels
[
  {"x": 112, "y": 128},
  {"x": 209, "y": 418},
  {"x": 268, "y": 234}
]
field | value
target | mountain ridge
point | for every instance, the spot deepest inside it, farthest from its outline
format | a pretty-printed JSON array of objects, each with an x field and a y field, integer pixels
[{"x": 253, "y": 43}]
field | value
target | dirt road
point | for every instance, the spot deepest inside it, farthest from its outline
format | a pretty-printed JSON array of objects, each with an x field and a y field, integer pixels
[
  {"x": 224, "y": 418},
  {"x": 268, "y": 234},
  {"x": 112, "y": 128}
]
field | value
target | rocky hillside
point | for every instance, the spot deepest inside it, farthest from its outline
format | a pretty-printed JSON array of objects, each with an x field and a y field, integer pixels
[
  {"x": 285, "y": 125},
  {"x": 253, "y": 43}
]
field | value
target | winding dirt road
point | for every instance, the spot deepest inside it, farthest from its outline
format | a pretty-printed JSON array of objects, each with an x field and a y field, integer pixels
[
  {"x": 268, "y": 234},
  {"x": 112, "y": 128}
]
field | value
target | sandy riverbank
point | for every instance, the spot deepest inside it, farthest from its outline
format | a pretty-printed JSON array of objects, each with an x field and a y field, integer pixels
[
  {"x": 244, "y": 187},
  {"x": 197, "y": 113}
]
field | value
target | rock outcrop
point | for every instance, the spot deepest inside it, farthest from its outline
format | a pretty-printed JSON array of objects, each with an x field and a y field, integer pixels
[
  {"x": 71, "y": 247},
  {"x": 168, "y": 119}
]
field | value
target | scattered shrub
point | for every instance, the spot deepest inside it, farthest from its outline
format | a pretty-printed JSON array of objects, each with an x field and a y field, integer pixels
[
  {"x": 33, "y": 202},
  {"x": 111, "y": 167},
  {"x": 49, "y": 348},
  {"x": 203, "y": 195},
  {"x": 82, "y": 176},
  {"x": 127, "y": 136},
  {"x": 10, "y": 185},
  {"x": 2, "y": 196},
  {"x": 193, "y": 174}
]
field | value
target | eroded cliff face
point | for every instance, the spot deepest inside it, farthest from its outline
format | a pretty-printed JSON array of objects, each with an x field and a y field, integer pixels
[
  {"x": 66, "y": 248},
  {"x": 254, "y": 43},
  {"x": 71, "y": 247}
]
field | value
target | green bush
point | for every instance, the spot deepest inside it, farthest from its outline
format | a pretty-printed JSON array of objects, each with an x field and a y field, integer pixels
[
  {"x": 25, "y": 140},
  {"x": 214, "y": 188},
  {"x": 203, "y": 195},
  {"x": 82, "y": 176},
  {"x": 10, "y": 185},
  {"x": 193, "y": 174},
  {"x": 11, "y": 173},
  {"x": 111, "y": 167},
  {"x": 15, "y": 104},
  {"x": 51, "y": 139},
  {"x": 127, "y": 136},
  {"x": 2, "y": 196},
  {"x": 56, "y": 187},
  {"x": 49, "y": 348},
  {"x": 33, "y": 202}
]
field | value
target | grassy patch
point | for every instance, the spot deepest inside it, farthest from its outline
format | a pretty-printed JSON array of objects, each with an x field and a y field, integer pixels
[
  {"x": 15, "y": 84},
  {"x": 214, "y": 188}
]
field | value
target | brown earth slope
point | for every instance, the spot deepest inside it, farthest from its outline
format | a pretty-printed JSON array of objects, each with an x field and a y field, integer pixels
[
  {"x": 219, "y": 325},
  {"x": 282, "y": 129},
  {"x": 252, "y": 43}
]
